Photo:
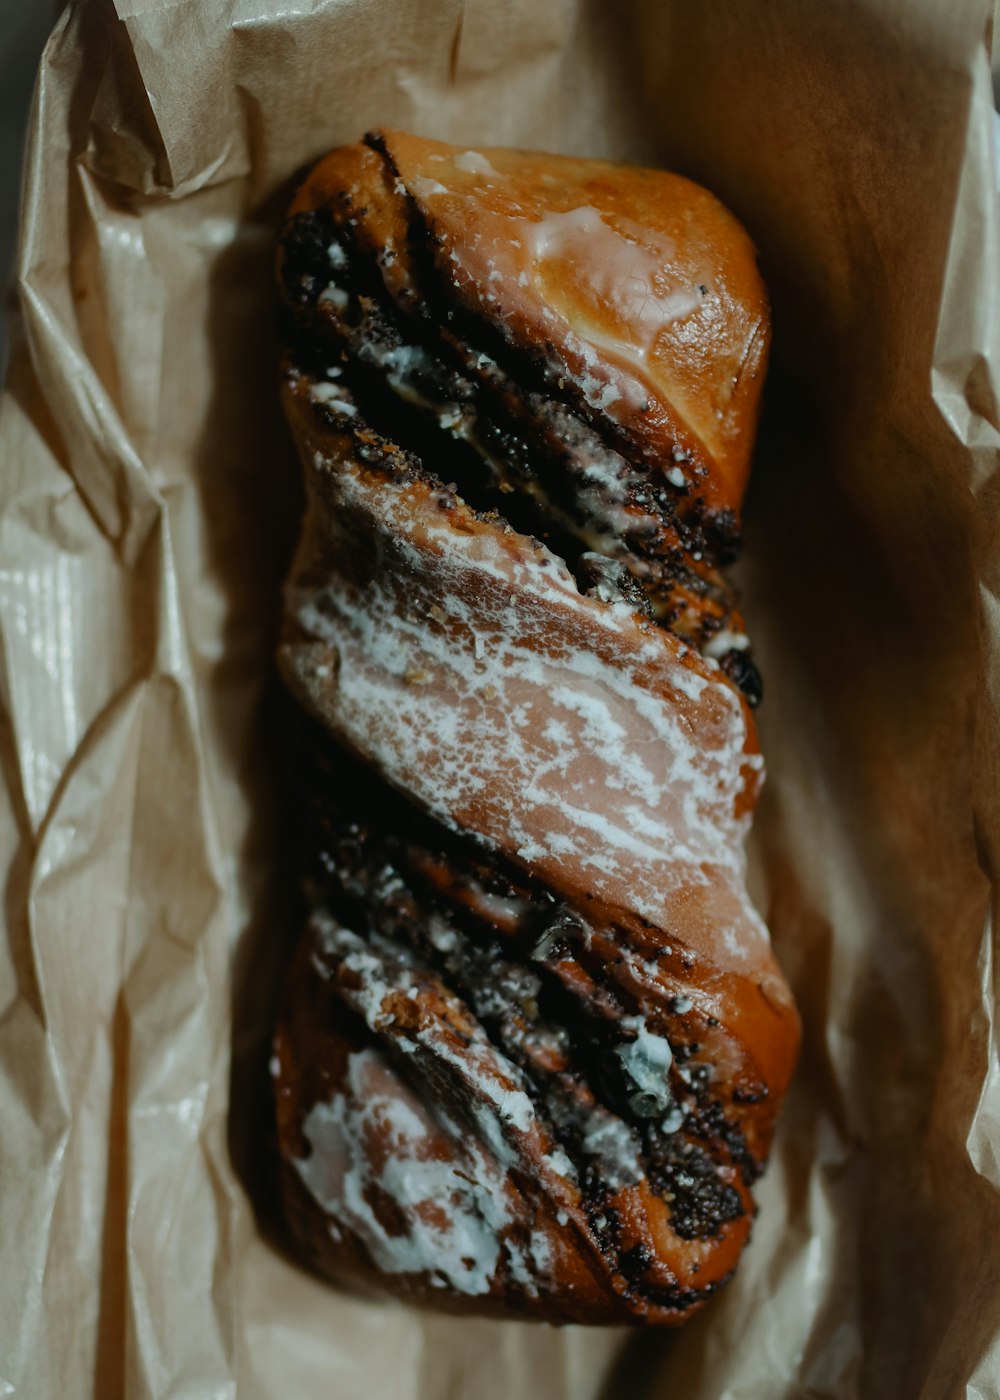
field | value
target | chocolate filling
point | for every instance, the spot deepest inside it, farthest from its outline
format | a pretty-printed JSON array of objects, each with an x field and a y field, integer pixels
[
  {"x": 498, "y": 953},
  {"x": 423, "y": 380}
]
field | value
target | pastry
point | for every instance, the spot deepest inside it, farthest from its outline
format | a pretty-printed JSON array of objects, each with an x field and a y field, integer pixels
[{"x": 534, "y": 1038}]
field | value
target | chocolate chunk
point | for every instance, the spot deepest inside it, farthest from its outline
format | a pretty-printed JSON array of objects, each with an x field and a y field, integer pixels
[{"x": 743, "y": 673}]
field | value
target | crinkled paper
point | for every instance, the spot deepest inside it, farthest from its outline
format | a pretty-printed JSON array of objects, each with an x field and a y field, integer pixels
[{"x": 149, "y": 502}]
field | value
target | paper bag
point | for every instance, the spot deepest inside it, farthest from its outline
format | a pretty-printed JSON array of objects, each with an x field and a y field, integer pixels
[{"x": 149, "y": 504}]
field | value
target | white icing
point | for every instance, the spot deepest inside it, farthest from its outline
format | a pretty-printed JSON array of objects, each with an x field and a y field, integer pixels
[
  {"x": 633, "y": 747},
  {"x": 624, "y": 273},
  {"x": 541, "y": 1252},
  {"x": 622, "y": 269},
  {"x": 337, "y": 256},
  {"x": 674, "y": 1120},
  {"x": 615, "y": 1146},
  {"x": 423, "y": 188},
  {"x": 502, "y": 1110},
  {"x": 560, "y": 1164},
  {"x": 440, "y": 933},
  {"x": 647, "y": 1058},
  {"x": 608, "y": 395},
  {"x": 400, "y": 361},
  {"x": 451, "y": 1217},
  {"x": 333, "y": 394},
  {"x": 519, "y": 1268},
  {"x": 379, "y": 1138},
  {"x": 475, "y": 163},
  {"x": 334, "y": 296},
  {"x": 504, "y": 911},
  {"x": 676, "y": 477},
  {"x": 726, "y": 641}
]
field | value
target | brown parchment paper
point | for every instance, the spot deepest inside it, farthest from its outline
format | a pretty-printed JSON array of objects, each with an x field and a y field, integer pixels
[{"x": 148, "y": 499}]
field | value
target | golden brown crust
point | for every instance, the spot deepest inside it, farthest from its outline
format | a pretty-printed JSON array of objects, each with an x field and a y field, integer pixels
[{"x": 642, "y": 287}]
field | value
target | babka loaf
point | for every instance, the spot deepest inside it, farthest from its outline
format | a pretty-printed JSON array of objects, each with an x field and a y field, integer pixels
[{"x": 534, "y": 1039}]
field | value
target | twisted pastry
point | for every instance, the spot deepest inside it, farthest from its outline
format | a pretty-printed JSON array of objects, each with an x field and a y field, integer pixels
[{"x": 534, "y": 1040}]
